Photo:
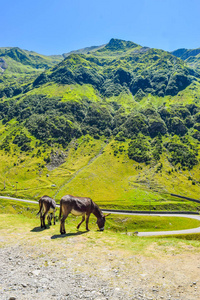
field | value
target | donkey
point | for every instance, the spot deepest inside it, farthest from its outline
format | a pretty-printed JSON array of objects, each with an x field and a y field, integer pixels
[
  {"x": 80, "y": 206},
  {"x": 47, "y": 207}
]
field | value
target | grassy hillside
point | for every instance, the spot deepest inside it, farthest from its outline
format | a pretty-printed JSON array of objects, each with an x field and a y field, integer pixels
[
  {"x": 120, "y": 124},
  {"x": 92, "y": 168},
  {"x": 19, "y": 67},
  {"x": 29, "y": 58}
]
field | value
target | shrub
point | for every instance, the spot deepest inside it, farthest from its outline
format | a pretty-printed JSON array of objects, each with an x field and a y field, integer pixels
[
  {"x": 182, "y": 154},
  {"x": 177, "y": 126},
  {"x": 156, "y": 126},
  {"x": 138, "y": 150},
  {"x": 135, "y": 124},
  {"x": 120, "y": 136}
]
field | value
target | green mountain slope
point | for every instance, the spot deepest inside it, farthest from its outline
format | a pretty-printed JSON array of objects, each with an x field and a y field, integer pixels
[
  {"x": 83, "y": 50},
  {"x": 120, "y": 124},
  {"x": 190, "y": 56},
  {"x": 19, "y": 67},
  {"x": 123, "y": 66},
  {"x": 29, "y": 58}
]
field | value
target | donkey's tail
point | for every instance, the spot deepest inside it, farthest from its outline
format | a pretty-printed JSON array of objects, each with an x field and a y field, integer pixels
[{"x": 40, "y": 204}]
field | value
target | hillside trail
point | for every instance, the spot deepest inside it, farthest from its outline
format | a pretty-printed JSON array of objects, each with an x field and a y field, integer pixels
[{"x": 80, "y": 170}]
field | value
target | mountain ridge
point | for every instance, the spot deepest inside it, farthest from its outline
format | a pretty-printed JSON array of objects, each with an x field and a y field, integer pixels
[
  {"x": 144, "y": 70},
  {"x": 140, "y": 104},
  {"x": 190, "y": 56},
  {"x": 29, "y": 57}
]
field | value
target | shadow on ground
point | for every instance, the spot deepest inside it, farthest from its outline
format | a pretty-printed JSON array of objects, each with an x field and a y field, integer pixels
[
  {"x": 57, "y": 236},
  {"x": 38, "y": 229}
]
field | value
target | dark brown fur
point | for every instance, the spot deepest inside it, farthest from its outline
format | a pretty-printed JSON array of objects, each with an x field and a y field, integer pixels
[
  {"x": 80, "y": 206},
  {"x": 47, "y": 207}
]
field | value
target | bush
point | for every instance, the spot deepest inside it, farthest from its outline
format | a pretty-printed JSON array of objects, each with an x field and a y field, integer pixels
[
  {"x": 176, "y": 126},
  {"x": 135, "y": 124},
  {"x": 156, "y": 144},
  {"x": 109, "y": 88},
  {"x": 120, "y": 136},
  {"x": 197, "y": 126},
  {"x": 182, "y": 154},
  {"x": 23, "y": 142},
  {"x": 156, "y": 127},
  {"x": 58, "y": 128},
  {"x": 138, "y": 150}
]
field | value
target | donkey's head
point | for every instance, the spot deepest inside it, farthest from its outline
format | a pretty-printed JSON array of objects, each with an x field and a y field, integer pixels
[{"x": 101, "y": 222}]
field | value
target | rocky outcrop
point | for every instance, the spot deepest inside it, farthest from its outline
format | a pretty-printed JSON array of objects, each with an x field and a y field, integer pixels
[{"x": 3, "y": 65}]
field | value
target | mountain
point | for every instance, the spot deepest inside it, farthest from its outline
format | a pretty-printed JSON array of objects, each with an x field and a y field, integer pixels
[
  {"x": 83, "y": 50},
  {"x": 184, "y": 54},
  {"x": 123, "y": 66},
  {"x": 22, "y": 65},
  {"x": 119, "y": 122},
  {"x": 190, "y": 56},
  {"x": 29, "y": 58}
]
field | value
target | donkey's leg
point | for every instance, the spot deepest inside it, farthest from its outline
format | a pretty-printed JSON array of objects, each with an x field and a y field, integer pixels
[
  {"x": 54, "y": 218},
  {"x": 44, "y": 220},
  {"x": 87, "y": 222},
  {"x": 49, "y": 219},
  {"x": 62, "y": 224},
  {"x": 41, "y": 220},
  {"x": 83, "y": 219},
  {"x": 41, "y": 217}
]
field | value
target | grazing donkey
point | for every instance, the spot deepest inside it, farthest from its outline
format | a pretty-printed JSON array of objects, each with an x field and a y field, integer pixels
[
  {"x": 47, "y": 206},
  {"x": 80, "y": 206}
]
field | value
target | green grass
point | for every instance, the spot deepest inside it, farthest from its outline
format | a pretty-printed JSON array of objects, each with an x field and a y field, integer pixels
[
  {"x": 127, "y": 223},
  {"x": 18, "y": 229},
  {"x": 111, "y": 181},
  {"x": 74, "y": 92},
  {"x": 187, "y": 237},
  {"x": 19, "y": 225},
  {"x": 114, "y": 222}
]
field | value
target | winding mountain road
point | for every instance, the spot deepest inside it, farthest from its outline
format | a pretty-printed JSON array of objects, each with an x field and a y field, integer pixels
[{"x": 153, "y": 233}]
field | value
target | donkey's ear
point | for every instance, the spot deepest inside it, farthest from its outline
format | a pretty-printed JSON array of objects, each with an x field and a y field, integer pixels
[{"x": 107, "y": 215}]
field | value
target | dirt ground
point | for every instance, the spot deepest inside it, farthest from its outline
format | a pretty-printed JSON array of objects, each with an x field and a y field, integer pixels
[{"x": 72, "y": 267}]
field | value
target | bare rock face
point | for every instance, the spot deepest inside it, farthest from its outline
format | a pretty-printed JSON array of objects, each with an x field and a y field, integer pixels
[
  {"x": 57, "y": 159},
  {"x": 3, "y": 65}
]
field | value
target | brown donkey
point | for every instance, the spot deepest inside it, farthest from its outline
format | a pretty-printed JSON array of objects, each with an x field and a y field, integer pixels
[
  {"x": 47, "y": 207},
  {"x": 80, "y": 206}
]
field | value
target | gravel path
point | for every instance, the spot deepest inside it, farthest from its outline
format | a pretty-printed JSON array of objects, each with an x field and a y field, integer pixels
[
  {"x": 24, "y": 277},
  {"x": 71, "y": 271}
]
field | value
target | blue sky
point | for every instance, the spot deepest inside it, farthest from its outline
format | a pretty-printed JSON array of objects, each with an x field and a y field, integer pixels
[{"x": 59, "y": 26}]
